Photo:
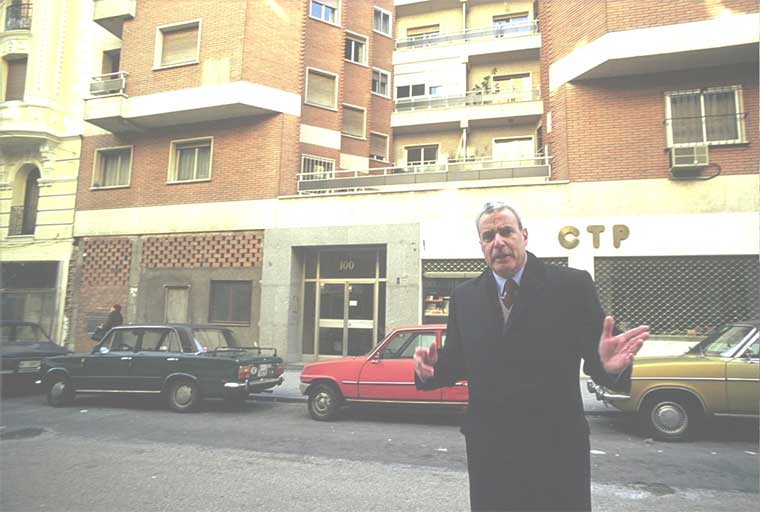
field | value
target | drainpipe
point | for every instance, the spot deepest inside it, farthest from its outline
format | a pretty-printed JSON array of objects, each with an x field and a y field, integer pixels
[{"x": 464, "y": 14}]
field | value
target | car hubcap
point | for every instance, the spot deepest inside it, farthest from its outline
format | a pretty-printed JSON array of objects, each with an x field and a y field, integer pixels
[
  {"x": 322, "y": 402},
  {"x": 184, "y": 394},
  {"x": 58, "y": 390},
  {"x": 670, "y": 418}
]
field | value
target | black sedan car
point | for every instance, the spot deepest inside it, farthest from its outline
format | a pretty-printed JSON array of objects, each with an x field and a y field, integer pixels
[
  {"x": 23, "y": 346},
  {"x": 185, "y": 363}
]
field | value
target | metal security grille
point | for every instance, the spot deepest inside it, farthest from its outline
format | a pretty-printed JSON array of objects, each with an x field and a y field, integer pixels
[
  {"x": 679, "y": 295},
  {"x": 472, "y": 265}
]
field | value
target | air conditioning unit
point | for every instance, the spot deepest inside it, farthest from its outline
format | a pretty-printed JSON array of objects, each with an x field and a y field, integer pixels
[{"x": 688, "y": 160}]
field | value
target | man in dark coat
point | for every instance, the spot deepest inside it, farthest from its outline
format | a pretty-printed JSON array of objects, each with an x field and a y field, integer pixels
[
  {"x": 517, "y": 333},
  {"x": 114, "y": 319}
]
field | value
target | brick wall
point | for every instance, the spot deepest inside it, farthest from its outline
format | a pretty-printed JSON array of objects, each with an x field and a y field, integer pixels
[
  {"x": 614, "y": 128},
  {"x": 248, "y": 157}
]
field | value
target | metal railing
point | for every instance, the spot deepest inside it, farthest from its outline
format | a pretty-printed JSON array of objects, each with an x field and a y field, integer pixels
[
  {"x": 110, "y": 83},
  {"x": 463, "y": 169},
  {"x": 492, "y": 31},
  {"x": 18, "y": 16},
  {"x": 469, "y": 99},
  {"x": 20, "y": 224}
]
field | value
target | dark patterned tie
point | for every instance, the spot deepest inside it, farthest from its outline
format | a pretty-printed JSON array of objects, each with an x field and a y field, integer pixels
[{"x": 508, "y": 295}]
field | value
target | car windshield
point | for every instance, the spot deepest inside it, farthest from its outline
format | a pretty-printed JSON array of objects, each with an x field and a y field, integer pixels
[
  {"x": 723, "y": 341},
  {"x": 215, "y": 339},
  {"x": 22, "y": 334}
]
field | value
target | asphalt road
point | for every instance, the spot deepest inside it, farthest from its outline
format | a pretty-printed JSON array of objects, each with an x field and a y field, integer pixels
[{"x": 114, "y": 454}]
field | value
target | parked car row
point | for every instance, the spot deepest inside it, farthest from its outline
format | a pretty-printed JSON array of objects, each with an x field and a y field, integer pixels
[{"x": 187, "y": 363}]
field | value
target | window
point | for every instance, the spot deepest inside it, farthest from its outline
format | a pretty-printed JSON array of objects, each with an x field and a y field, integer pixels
[
  {"x": 403, "y": 345},
  {"x": 425, "y": 32},
  {"x": 123, "y": 340},
  {"x": 191, "y": 160},
  {"x": 325, "y": 10},
  {"x": 178, "y": 44},
  {"x": 382, "y": 22},
  {"x": 353, "y": 121},
  {"x": 378, "y": 146},
  {"x": 514, "y": 82},
  {"x": 405, "y": 91},
  {"x": 510, "y": 23},
  {"x": 315, "y": 167},
  {"x": 417, "y": 155},
  {"x": 230, "y": 302},
  {"x": 435, "y": 90},
  {"x": 381, "y": 82},
  {"x": 355, "y": 49},
  {"x": 708, "y": 116},
  {"x": 159, "y": 340},
  {"x": 321, "y": 88},
  {"x": 15, "y": 82},
  {"x": 112, "y": 167}
]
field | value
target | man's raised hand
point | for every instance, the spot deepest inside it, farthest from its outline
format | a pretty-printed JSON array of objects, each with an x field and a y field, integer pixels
[
  {"x": 616, "y": 352},
  {"x": 424, "y": 361}
]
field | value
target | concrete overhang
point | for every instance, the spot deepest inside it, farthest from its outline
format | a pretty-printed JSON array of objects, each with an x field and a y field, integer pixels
[
  {"x": 720, "y": 41},
  {"x": 120, "y": 113},
  {"x": 111, "y": 14}
]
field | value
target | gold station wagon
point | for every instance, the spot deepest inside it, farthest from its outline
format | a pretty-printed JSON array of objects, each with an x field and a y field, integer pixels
[{"x": 720, "y": 376}]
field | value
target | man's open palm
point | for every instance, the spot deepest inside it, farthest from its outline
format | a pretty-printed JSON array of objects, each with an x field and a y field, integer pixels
[
  {"x": 616, "y": 352},
  {"x": 424, "y": 361}
]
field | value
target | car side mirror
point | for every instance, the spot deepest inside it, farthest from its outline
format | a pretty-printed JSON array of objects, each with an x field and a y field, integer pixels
[{"x": 103, "y": 350}]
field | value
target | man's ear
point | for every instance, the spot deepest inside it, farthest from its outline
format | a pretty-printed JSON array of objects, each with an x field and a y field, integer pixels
[{"x": 525, "y": 234}]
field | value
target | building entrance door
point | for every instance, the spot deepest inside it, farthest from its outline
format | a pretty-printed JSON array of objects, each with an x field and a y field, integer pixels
[{"x": 346, "y": 318}]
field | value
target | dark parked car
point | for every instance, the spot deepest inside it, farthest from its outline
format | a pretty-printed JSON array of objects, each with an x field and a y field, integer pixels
[
  {"x": 23, "y": 345},
  {"x": 183, "y": 362}
]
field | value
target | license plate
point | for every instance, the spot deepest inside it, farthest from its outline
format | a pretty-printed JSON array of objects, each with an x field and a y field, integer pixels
[
  {"x": 263, "y": 370},
  {"x": 28, "y": 366}
]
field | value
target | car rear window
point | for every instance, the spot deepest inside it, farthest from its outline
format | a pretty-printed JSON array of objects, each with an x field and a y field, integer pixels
[{"x": 214, "y": 339}]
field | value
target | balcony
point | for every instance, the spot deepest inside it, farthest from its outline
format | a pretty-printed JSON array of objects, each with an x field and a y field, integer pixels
[
  {"x": 475, "y": 106},
  {"x": 428, "y": 175},
  {"x": 468, "y": 35},
  {"x": 18, "y": 16},
  {"x": 725, "y": 40},
  {"x": 22, "y": 122},
  {"x": 110, "y": 108},
  {"x": 111, "y": 14}
]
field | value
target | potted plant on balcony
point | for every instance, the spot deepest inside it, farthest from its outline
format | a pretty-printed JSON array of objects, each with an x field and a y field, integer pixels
[{"x": 486, "y": 89}]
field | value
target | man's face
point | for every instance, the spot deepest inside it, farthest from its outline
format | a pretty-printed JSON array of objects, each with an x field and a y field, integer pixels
[{"x": 502, "y": 242}]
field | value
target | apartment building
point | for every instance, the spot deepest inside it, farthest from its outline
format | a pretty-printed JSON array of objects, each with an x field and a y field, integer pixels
[
  {"x": 45, "y": 56},
  {"x": 309, "y": 172},
  {"x": 203, "y": 118}
]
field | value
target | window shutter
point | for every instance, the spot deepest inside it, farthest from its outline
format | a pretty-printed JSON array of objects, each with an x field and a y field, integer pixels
[
  {"x": 421, "y": 31},
  {"x": 14, "y": 88},
  {"x": 321, "y": 89},
  {"x": 378, "y": 145},
  {"x": 353, "y": 121},
  {"x": 179, "y": 45}
]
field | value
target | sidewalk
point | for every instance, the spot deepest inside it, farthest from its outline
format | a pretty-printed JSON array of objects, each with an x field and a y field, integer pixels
[{"x": 289, "y": 390}]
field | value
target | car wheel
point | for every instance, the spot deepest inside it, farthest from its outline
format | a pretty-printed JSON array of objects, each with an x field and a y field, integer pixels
[
  {"x": 669, "y": 418},
  {"x": 184, "y": 395},
  {"x": 324, "y": 402},
  {"x": 60, "y": 392}
]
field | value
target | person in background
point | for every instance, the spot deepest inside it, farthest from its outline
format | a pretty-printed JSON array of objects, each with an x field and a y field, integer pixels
[
  {"x": 114, "y": 319},
  {"x": 517, "y": 333}
]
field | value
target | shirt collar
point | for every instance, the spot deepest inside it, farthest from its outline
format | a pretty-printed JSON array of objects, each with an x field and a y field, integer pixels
[{"x": 500, "y": 280}]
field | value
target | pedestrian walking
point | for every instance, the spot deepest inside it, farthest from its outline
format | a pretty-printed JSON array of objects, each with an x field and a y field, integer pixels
[{"x": 114, "y": 319}]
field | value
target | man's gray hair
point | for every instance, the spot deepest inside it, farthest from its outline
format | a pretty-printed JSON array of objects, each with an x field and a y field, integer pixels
[{"x": 496, "y": 207}]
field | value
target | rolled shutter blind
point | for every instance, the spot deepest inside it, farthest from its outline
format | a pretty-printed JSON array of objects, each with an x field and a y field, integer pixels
[
  {"x": 14, "y": 88},
  {"x": 180, "y": 45}
]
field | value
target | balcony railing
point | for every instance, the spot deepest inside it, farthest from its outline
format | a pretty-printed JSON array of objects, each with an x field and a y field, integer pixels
[
  {"x": 412, "y": 174},
  {"x": 472, "y": 98},
  {"x": 18, "y": 17},
  {"x": 470, "y": 34},
  {"x": 20, "y": 224},
  {"x": 110, "y": 83}
]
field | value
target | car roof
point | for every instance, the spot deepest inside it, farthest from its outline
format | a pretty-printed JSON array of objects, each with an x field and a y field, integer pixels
[
  {"x": 175, "y": 325},
  {"x": 418, "y": 327}
]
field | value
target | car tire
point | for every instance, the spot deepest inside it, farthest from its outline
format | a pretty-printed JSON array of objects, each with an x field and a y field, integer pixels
[
  {"x": 324, "y": 402},
  {"x": 60, "y": 392},
  {"x": 184, "y": 395},
  {"x": 669, "y": 418}
]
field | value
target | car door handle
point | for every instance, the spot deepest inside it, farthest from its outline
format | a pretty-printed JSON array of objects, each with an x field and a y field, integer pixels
[
  {"x": 126, "y": 358},
  {"x": 172, "y": 358}
]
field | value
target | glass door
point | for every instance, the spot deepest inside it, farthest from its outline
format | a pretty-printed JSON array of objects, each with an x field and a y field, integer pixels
[{"x": 346, "y": 318}]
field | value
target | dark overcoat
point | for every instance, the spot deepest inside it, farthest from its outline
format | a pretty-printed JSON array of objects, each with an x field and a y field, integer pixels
[{"x": 526, "y": 434}]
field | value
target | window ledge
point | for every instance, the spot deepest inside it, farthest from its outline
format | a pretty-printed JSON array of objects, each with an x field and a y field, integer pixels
[
  {"x": 711, "y": 145},
  {"x": 177, "y": 65},
  {"x": 180, "y": 182},
  {"x": 362, "y": 64},
  {"x": 18, "y": 237},
  {"x": 109, "y": 188},
  {"x": 336, "y": 25},
  {"x": 353, "y": 136},
  {"x": 380, "y": 95},
  {"x": 382, "y": 33},
  {"x": 334, "y": 109}
]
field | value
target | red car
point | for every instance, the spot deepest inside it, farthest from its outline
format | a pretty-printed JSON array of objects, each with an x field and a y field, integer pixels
[{"x": 385, "y": 375}]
